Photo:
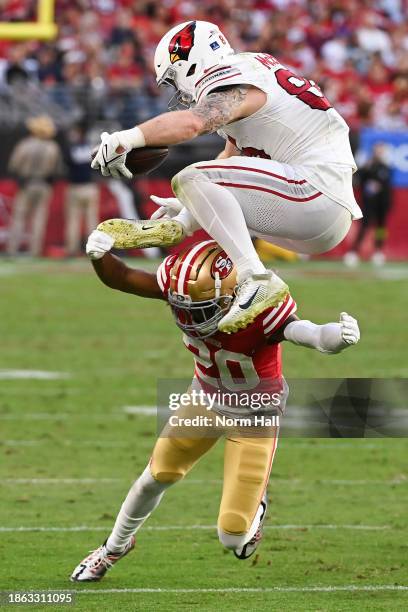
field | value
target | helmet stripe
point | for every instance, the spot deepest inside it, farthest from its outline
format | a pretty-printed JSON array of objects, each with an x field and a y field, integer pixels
[
  {"x": 184, "y": 267},
  {"x": 163, "y": 272}
]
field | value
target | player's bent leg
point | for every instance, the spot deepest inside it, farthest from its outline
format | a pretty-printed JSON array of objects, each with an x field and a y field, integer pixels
[
  {"x": 142, "y": 498},
  {"x": 245, "y": 545},
  {"x": 179, "y": 447},
  {"x": 247, "y": 464},
  {"x": 218, "y": 212},
  {"x": 216, "y": 209},
  {"x": 174, "y": 457},
  {"x": 171, "y": 460},
  {"x": 330, "y": 237},
  {"x": 279, "y": 204}
]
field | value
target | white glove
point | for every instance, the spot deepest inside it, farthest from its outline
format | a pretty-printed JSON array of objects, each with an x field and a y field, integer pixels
[
  {"x": 350, "y": 332},
  {"x": 99, "y": 243},
  {"x": 108, "y": 160},
  {"x": 328, "y": 338},
  {"x": 169, "y": 207}
]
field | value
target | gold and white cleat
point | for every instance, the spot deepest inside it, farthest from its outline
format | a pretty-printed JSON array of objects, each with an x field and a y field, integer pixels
[
  {"x": 253, "y": 296},
  {"x": 250, "y": 547},
  {"x": 130, "y": 234},
  {"x": 95, "y": 565}
]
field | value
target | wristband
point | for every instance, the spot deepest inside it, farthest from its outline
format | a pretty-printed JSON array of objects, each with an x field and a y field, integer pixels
[{"x": 132, "y": 139}]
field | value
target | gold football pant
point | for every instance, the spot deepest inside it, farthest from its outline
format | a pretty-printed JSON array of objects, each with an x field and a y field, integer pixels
[{"x": 247, "y": 465}]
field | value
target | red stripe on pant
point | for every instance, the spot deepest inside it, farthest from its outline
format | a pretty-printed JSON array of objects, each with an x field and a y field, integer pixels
[
  {"x": 253, "y": 170},
  {"x": 281, "y": 195}
]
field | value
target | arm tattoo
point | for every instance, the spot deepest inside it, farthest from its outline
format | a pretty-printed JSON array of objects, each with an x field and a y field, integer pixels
[{"x": 217, "y": 109}]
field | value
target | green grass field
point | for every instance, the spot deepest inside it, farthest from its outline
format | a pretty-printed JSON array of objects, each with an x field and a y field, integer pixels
[{"x": 337, "y": 534}]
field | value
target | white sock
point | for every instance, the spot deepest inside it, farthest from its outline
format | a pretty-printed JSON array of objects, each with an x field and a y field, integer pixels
[
  {"x": 219, "y": 213},
  {"x": 143, "y": 497}
]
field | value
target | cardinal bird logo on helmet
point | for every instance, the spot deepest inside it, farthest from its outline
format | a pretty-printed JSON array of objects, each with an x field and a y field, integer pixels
[{"x": 182, "y": 42}]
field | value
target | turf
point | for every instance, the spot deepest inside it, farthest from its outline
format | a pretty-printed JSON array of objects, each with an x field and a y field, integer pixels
[{"x": 113, "y": 347}]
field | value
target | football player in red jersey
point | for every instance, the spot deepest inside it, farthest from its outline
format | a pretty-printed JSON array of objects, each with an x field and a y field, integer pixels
[{"x": 199, "y": 284}]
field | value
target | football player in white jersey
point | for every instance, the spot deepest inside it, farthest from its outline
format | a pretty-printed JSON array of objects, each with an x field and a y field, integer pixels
[
  {"x": 198, "y": 284},
  {"x": 284, "y": 175}
]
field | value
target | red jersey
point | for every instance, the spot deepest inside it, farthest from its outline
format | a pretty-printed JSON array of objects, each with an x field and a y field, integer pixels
[{"x": 243, "y": 361}]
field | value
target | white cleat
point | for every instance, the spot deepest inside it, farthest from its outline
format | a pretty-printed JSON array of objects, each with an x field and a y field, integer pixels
[
  {"x": 254, "y": 295},
  {"x": 95, "y": 565},
  {"x": 250, "y": 547},
  {"x": 131, "y": 234}
]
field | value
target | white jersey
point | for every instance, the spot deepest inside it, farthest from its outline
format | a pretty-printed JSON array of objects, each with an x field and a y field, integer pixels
[{"x": 297, "y": 125}]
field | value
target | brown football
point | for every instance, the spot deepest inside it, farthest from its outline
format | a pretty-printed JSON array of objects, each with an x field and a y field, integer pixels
[{"x": 144, "y": 159}]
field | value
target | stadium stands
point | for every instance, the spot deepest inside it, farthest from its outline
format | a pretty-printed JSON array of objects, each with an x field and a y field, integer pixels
[
  {"x": 98, "y": 75},
  {"x": 100, "y": 66}
]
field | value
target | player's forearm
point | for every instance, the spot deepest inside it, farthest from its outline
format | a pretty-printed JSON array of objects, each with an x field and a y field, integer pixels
[
  {"x": 216, "y": 110},
  {"x": 324, "y": 338},
  {"x": 117, "y": 275},
  {"x": 171, "y": 128}
]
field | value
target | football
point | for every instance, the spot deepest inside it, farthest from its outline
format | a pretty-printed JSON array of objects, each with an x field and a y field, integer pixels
[{"x": 143, "y": 159}]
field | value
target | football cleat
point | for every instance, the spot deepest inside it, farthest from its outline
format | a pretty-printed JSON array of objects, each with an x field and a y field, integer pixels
[
  {"x": 250, "y": 547},
  {"x": 129, "y": 234},
  {"x": 253, "y": 296},
  {"x": 95, "y": 565}
]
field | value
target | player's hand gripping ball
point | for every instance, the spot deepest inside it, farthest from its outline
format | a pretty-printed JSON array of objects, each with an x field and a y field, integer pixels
[{"x": 112, "y": 158}]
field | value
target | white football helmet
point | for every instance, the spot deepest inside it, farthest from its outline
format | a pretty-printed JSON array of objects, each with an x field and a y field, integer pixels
[{"x": 184, "y": 54}]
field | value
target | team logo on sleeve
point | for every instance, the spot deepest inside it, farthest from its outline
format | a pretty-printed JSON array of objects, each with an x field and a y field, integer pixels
[
  {"x": 182, "y": 43},
  {"x": 223, "y": 265}
]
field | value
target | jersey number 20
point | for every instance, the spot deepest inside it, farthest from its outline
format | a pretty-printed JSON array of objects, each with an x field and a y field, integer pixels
[{"x": 306, "y": 91}]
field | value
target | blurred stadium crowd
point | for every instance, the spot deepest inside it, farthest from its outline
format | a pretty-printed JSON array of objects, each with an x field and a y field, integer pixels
[
  {"x": 100, "y": 66},
  {"x": 56, "y": 97}
]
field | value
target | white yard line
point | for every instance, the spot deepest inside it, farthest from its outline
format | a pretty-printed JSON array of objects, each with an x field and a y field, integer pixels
[
  {"x": 58, "y": 481},
  {"x": 20, "y": 442},
  {"x": 276, "y": 589},
  {"x": 32, "y": 374},
  {"x": 35, "y": 416},
  {"x": 202, "y": 482},
  {"x": 145, "y": 410},
  {"x": 323, "y": 481},
  {"x": 190, "y": 528},
  {"x": 334, "y": 445},
  {"x": 148, "y": 411},
  {"x": 65, "y": 442},
  {"x": 50, "y": 416}
]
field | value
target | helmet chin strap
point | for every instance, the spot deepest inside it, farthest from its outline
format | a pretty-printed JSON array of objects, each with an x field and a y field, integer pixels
[{"x": 179, "y": 101}]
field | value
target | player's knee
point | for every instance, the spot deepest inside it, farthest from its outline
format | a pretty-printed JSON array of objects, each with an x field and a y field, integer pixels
[
  {"x": 233, "y": 523},
  {"x": 232, "y": 540},
  {"x": 167, "y": 476},
  {"x": 187, "y": 176}
]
